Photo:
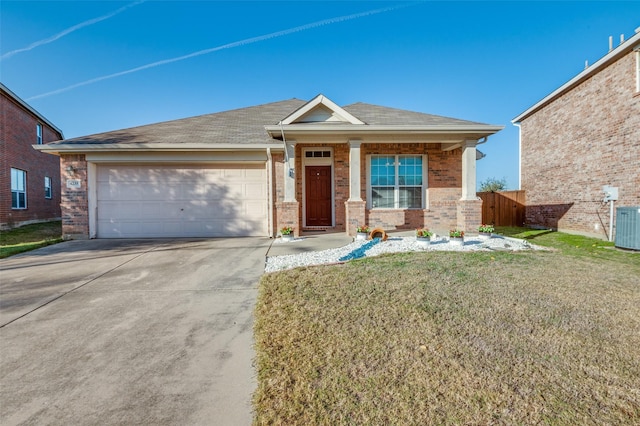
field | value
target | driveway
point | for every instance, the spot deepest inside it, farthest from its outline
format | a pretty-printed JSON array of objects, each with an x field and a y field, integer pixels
[{"x": 129, "y": 332}]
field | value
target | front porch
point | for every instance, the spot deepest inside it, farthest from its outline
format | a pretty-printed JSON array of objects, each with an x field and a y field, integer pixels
[{"x": 341, "y": 199}]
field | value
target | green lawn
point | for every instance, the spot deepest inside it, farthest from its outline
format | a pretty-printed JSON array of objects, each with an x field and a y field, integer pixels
[
  {"x": 454, "y": 338},
  {"x": 29, "y": 237}
]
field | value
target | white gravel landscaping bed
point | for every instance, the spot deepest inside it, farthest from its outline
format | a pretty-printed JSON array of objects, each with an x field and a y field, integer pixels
[{"x": 360, "y": 249}]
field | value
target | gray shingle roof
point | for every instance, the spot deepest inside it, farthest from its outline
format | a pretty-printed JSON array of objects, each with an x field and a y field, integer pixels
[
  {"x": 246, "y": 126},
  {"x": 381, "y": 115}
]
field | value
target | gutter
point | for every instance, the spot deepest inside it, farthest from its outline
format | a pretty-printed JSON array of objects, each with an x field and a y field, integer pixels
[
  {"x": 82, "y": 148},
  {"x": 483, "y": 129}
]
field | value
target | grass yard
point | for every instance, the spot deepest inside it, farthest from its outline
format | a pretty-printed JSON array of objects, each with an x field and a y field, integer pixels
[
  {"x": 454, "y": 338},
  {"x": 29, "y": 237}
]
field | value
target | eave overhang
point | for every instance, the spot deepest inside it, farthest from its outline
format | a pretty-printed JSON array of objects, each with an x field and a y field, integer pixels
[
  {"x": 82, "y": 148},
  {"x": 475, "y": 131}
]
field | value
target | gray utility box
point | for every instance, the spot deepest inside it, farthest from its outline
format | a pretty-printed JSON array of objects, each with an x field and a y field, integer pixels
[{"x": 628, "y": 227}]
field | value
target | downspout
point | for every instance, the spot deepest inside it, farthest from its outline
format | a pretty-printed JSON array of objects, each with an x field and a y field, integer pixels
[
  {"x": 517, "y": 124},
  {"x": 284, "y": 142},
  {"x": 270, "y": 194}
]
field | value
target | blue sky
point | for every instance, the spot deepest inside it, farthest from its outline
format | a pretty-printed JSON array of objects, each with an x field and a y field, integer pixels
[{"x": 95, "y": 66}]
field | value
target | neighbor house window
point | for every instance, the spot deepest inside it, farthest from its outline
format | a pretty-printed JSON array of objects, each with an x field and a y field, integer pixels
[
  {"x": 18, "y": 189},
  {"x": 39, "y": 134},
  {"x": 47, "y": 187},
  {"x": 397, "y": 181}
]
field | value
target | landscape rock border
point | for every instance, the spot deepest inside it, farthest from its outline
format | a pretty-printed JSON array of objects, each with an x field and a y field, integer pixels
[{"x": 359, "y": 249}]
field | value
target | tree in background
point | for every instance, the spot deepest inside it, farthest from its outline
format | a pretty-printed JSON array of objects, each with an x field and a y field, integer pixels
[{"x": 493, "y": 185}]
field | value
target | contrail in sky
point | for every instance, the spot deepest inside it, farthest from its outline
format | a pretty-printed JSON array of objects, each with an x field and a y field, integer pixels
[
  {"x": 70, "y": 30},
  {"x": 225, "y": 46}
]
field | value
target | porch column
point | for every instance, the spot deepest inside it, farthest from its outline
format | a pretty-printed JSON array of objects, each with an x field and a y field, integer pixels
[
  {"x": 355, "y": 205},
  {"x": 469, "y": 207},
  {"x": 289, "y": 173},
  {"x": 288, "y": 210},
  {"x": 354, "y": 170},
  {"x": 469, "y": 170}
]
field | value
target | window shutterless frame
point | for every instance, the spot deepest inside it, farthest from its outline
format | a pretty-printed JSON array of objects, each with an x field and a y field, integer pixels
[
  {"x": 47, "y": 187},
  {"x": 18, "y": 189},
  {"x": 396, "y": 181},
  {"x": 39, "y": 134}
]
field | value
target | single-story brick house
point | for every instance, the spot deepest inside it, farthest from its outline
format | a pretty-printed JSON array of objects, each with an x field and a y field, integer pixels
[
  {"x": 29, "y": 180},
  {"x": 248, "y": 172},
  {"x": 582, "y": 136}
]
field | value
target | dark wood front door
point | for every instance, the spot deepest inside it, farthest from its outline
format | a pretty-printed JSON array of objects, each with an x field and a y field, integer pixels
[{"x": 318, "y": 195}]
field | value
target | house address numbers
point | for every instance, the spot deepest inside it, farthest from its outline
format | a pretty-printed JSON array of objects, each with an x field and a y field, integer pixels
[{"x": 74, "y": 183}]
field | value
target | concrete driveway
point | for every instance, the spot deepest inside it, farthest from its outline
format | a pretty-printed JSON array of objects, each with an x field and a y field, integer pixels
[{"x": 129, "y": 332}]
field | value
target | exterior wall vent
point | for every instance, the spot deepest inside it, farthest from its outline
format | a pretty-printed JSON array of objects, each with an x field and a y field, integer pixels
[{"x": 628, "y": 227}]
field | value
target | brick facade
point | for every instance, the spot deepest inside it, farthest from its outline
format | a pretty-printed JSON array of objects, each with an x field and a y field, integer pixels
[
  {"x": 17, "y": 135},
  {"x": 75, "y": 202},
  {"x": 444, "y": 182},
  {"x": 580, "y": 141}
]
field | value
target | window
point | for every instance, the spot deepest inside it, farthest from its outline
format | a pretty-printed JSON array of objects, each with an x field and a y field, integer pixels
[
  {"x": 18, "y": 189},
  {"x": 317, "y": 154},
  {"x": 39, "y": 134},
  {"x": 397, "y": 181},
  {"x": 47, "y": 187}
]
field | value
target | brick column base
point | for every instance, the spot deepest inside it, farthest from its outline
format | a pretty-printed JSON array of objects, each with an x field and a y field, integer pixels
[
  {"x": 469, "y": 215},
  {"x": 355, "y": 215},
  {"x": 287, "y": 214}
]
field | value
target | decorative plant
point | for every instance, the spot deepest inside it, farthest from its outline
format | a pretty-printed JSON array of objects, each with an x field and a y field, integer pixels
[
  {"x": 363, "y": 229},
  {"x": 455, "y": 233},
  {"x": 287, "y": 230},
  {"x": 423, "y": 232},
  {"x": 486, "y": 228}
]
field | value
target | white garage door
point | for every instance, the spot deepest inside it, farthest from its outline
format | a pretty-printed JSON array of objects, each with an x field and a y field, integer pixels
[{"x": 183, "y": 201}]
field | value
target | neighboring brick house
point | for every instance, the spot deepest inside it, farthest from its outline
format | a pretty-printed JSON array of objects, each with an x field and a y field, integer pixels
[
  {"x": 30, "y": 180},
  {"x": 310, "y": 165},
  {"x": 581, "y": 137}
]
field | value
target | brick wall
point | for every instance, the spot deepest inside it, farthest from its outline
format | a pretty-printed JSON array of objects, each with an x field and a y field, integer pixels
[
  {"x": 75, "y": 202},
  {"x": 444, "y": 182},
  {"x": 585, "y": 139},
  {"x": 17, "y": 135}
]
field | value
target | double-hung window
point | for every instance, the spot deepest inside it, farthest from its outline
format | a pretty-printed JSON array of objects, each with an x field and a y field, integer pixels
[
  {"x": 397, "y": 181},
  {"x": 47, "y": 187},
  {"x": 18, "y": 189},
  {"x": 39, "y": 134}
]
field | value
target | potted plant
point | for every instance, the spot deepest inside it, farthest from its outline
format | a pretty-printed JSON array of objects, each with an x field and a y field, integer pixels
[
  {"x": 456, "y": 237},
  {"x": 423, "y": 236},
  {"x": 485, "y": 231},
  {"x": 362, "y": 232},
  {"x": 286, "y": 233}
]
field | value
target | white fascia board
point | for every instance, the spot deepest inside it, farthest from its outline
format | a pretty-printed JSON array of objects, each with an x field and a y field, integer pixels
[
  {"x": 275, "y": 131},
  {"x": 129, "y": 147},
  {"x": 612, "y": 56},
  {"x": 320, "y": 99}
]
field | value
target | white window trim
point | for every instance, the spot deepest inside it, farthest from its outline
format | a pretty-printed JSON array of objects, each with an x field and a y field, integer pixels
[
  {"x": 48, "y": 190},
  {"x": 425, "y": 182},
  {"x": 24, "y": 174},
  {"x": 39, "y": 134},
  {"x": 318, "y": 161}
]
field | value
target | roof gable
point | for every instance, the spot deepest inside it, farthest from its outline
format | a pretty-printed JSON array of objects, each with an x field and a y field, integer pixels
[{"x": 321, "y": 110}]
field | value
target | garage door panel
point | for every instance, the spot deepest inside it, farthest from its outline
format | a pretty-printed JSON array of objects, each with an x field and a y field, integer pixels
[{"x": 137, "y": 201}]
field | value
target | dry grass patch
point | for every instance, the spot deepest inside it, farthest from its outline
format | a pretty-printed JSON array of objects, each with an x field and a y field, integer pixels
[
  {"x": 29, "y": 237},
  {"x": 450, "y": 338}
]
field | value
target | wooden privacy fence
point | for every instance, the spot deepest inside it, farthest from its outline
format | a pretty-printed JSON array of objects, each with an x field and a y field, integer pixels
[{"x": 504, "y": 208}]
